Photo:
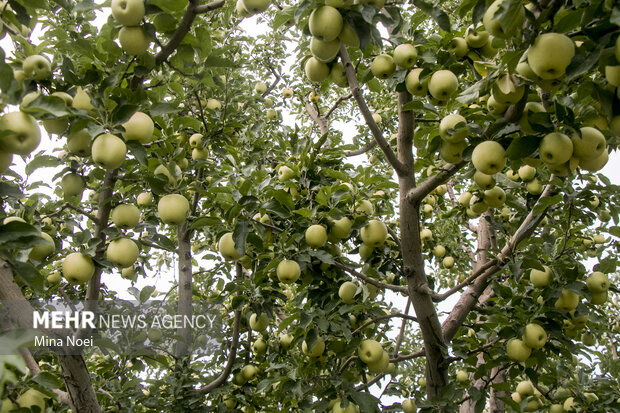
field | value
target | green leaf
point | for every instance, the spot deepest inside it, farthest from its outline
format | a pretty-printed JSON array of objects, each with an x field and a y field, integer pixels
[
  {"x": 217, "y": 61},
  {"x": 122, "y": 113},
  {"x": 146, "y": 292},
  {"x": 544, "y": 203},
  {"x": 138, "y": 151},
  {"x": 48, "y": 380},
  {"x": 10, "y": 190},
  {"x": 162, "y": 108},
  {"x": 19, "y": 235},
  {"x": 170, "y": 5},
  {"x": 522, "y": 147},
  {"x": 47, "y": 106},
  {"x": 615, "y": 231},
  {"x": 42, "y": 161},
  {"x": 240, "y": 235},
  {"x": 366, "y": 402},
  {"x": 436, "y": 13},
  {"x": 29, "y": 275}
]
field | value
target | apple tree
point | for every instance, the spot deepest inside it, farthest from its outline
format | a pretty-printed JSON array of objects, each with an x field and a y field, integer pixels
[{"x": 395, "y": 205}]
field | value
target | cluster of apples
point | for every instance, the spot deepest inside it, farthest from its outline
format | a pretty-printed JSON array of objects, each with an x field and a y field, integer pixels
[
  {"x": 526, "y": 391},
  {"x": 129, "y": 13},
  {"x": 374, "y": 356}
]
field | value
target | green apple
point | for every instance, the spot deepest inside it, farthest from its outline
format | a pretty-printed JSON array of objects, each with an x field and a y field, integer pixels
[
  {"x": 255, "y": 6},
  {"x": 405, "y": 55},
  {"x": 213, "y": 104},
  {"x": 374, "y": 233},
  {"x": 348, "y": 36},
  {"x": 550, "y": 55},
  {"x": 125, "y": 216},
  {"x": 495, "y": 197},
  {"x": 462, "y": 377},
  {"x": 133, "y": 40},
  {"x": 453, "y": 128},
  {"x": 412, "y": 82},
  {"x": 505, "y": 91},
  {"x": 377, "y": 118},
  {"x": 448, "y": 262},
  {"x": 555, "y": 148},
  {"x": 540, "y": 278},
  {"x": 109, "y": 151},
  {"x": 409, "y": 406},
  {"x": 494, "y": 26},
  {"x": 476, "y": 36},
  {"x": 78, "y": 268},
  {"x": 351, "y": 408},
  {"x": 260, "y": 88},
  {"x": 54, "y": 278},
  {"x": 316, "y": 351},
  {"x": 286, "y": 340},
  {"x": 72, "y": 185},
  {"x": 32, "y": 398},
  {"x": 249, "y": 372},
  {"x": 458, "y": 47},
  {"x": 259, "y": 322},
  {"x": 556, "y": 408},
  {"x": 339, "y": 75},
  {"x": 226, "y": 246},
  {"x": 596, "y": 164},
  {"x": 19, "y": 133},
  {"x": 443, "y": 84},
  {"x": 81, "y": 100},
  {"x": 567, "y": 301},
  {"x": 569, "y": 404},
  {"x": 341, "y": 228},
  {"x": 365, "y": 251},
  {"x": 128, "y": 12},
  {"x": 381, "y": 365},
  {"x": 590, "y": 145},
  {"x": 241, "y": 10},
  {"x": 452, "y": 152},
  {"x": 516, "y": 397},
  {"x": 37, "y": 67},
  {"x": 370, "y": 351},
  {"x": 484, "y": 181},
  {"x": 383, "y": 66},
  {"x": 517, "y": 350},
  {"x": 122, "y": 251},
  {"x": 527, "y": 173},
  {"x": 324, "y": 51},
  {"x": 129, "y": 273},
  {"x": 534, "y": 187},
  {"x": 599, "y": 298},
  {"x": 325, "y": 23},
  {"x": 288, "y": 271},
  {"x": 139, "y": 128},
  {"x": 144, "y": 199},
  {"x": 535, "y": 336},
  {"x": 597, "y": 282},
  {"x": 464, "y": 198},
  {"x": 347, "y": 292},
  {"x": 195, "y": 141},
  {"x": 78, "y": 142},
  {"x": 477, "y": 204},
  {"x": 365, "y": 206},
  {"x": 154, "y": 334},
  {"x": 594, "y": 203},
  {"x": 39, "y": 252},
  {"x": 285, "y": 173},
  {"x": 426, "y": 234},
  {"x": 488, "y": 157},
  {"x": 496, "y": 108},
  {"x": 422, "y": 382},
  {"x": 271, "y": 114},
  {"x": 524, "y": 70},
  {"x": 612, "y": 74},
  {"x": 439, "y": 251},
  {"x": 316, "y": 236},
  {"x": 173, "y": 209}
]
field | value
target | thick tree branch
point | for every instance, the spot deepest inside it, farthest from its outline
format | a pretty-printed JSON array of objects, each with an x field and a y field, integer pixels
[
  {"x": 356, "y": 91},
  {"x": 369, "y": 280},
  {"x": 364, "y": 149},
  {"x": 417, "y": 194},
  {"x": 318, "y": 119}
]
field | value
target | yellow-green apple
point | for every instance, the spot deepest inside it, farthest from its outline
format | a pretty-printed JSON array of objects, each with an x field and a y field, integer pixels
[
  {"x": 287, "y": 92},
  {"x": 72, "y": 185},
  {"x": 409, "y": 406},
  {"x": 505, "y": 91},
  {"x": 413, "y": 84},
  {"x": 597, "y": 282},
  {"x": 259, "y": 322},
  {"x": 496, "y": 108},
  {"x": 439, "y": 251},
  {"x": 173, "y": 209},
  {"x": 39, "y": 252},
  {"x": 383, "y": 66},
  {"x": 370, "y": 351},
  {"x": 443, "y": 84},
  {"x": 288, "y": 271},
  {"x": 78, "y": 142},
  {"x": 567, "y": 301},
  {"x": 596, "y": 164},
  {"x": 365, "y": 251},
  {"x": 540, "y": 278},
  {"x": 226, "y": 246},
  {"x": 365, "y": 206},
  {"x": 347, "y": 291},
  {"x": 316, "y": 236},
  {"x": 125, "y": 216},
  {"x": 590, "y": 145},
  {"x": 351, "y": 408},
  {"x": 81, "y": 100},
  {"x": 36, "y": 67},
  {"x": 381, "y": 365},
  {"x": 213, "y": 104},
  {"x": 133, "y": 40},
  {"x": 144, "y": 199},
  {"x": 517, "y": 350},
  {"x": 523, "y": 69},
  {"x": 129, "y": 273},
  {"x": 494, "y": 26},
  {"x": 599, "y": 298},
  {"x": 20, "y": 133},
  {"x": 325, "y": 23},
  {"x": 594, "y": 203},
  {"x": 32, "y": 398},
  {"x": 612, "y": 74},
  {"x": 108, "y": 151},
  {"x": 527, "y": 173},
  {"x": 484, "y": 181},
  {"x": 285, "y": 340},
  {"x": 529, "y": 107},
  {"x": 78, "y": 268},
  {"x": 405, "y": 55},
  {"x": 534, "y": 336},
  {"x": 452, "y": 152},
  {"x": 555, "y": 148},
  {"x": 495, "y": 197},
  {"x": 255, "y": 6},
  {"x": 525, "y": 388},
  {"x": 260, "y": 88},
  {"x": 377, "y": 118},
  {"x": 195, "y": 141},
  {"x": 139, "y": 128},
  {"x": 339, "y": 75},
  {"x": 54, "y": 278},
  {"x": 458, "y": 47},
  {"x": 477, "y": 204},
  {"x": 285, "y": 173},
  {"x": 488, "y": 157},
  {"x": 464, "y": 198},
  {"x": 154, "y": 334},
  {"x": 426, "y": 234},
  {"x": 324, "y": 51},
  {"x": 348, "y": 36},
  {"x": 122, "y": 251},
  {"x": 128, "y": 12},
  {"x": 374, "y": 233},
  {"x": 461, "y": 376},
  {"x": 316, "y": 351},
  {"x": 271, "y": 114},
  {"x": 569, "y": 404},
  {"x": 341, "y": 228},
  {"x": 476, "y": 36},
  {"x": 550, "y": 55},
  {"x": 453, "y": 128},
  {"x": 241, "y": 10}
]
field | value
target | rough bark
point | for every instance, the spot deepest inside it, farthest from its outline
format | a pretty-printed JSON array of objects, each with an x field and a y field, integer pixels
[{"x": 184, "y": 307}]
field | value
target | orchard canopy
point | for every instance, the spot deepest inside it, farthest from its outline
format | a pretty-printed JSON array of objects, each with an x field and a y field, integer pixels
[{"x": 379, "y": 206}]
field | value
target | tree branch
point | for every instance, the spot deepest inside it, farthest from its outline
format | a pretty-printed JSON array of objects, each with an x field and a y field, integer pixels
[
  {"x": 361, "y": 150},
  {"x": 384, "y": 317},
  {"x": 336, "y": 104},
  {"x": 417, "y": 194},
  {"x": 379, "y": 284}
]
